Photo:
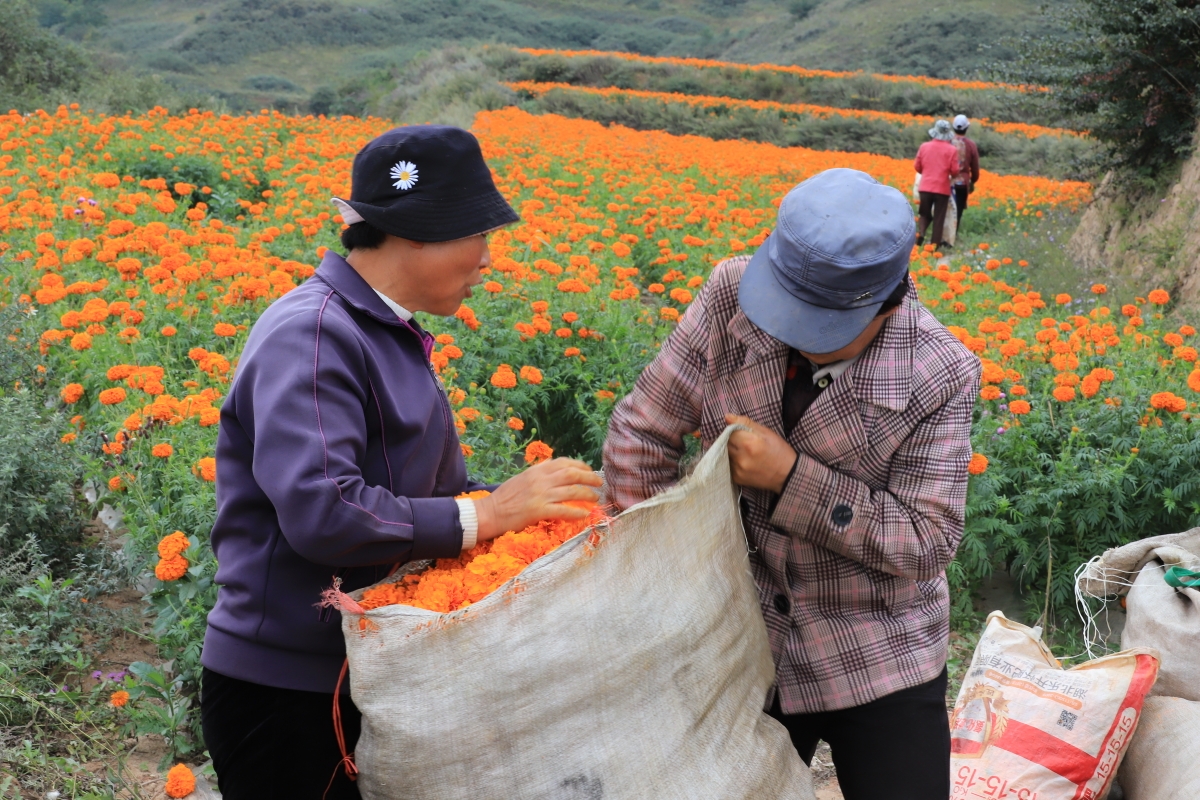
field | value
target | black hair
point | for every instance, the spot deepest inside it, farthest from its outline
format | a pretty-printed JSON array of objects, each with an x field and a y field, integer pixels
[
  {"x": 362, "y": 236},
  {"x": 895, "y": 298}
]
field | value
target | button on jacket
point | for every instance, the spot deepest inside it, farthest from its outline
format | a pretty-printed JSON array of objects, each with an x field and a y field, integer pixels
[
  {"x": 850, "y": 559},
  {"x": 337, "y": 455}
]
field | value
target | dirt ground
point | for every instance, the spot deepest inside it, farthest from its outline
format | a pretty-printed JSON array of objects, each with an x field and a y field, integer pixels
[{"x": 824, "y": 776}]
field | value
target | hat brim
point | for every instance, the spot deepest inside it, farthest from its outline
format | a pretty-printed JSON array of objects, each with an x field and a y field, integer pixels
[
  {"x": 800, "y": 324},
  {"x": 420, "y": 220}
]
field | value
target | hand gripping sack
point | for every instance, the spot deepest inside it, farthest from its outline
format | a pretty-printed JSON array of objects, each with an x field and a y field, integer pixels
[
  {"x": 1160, "y": 615},
  {"x": 1026, "y": 729},
  {"x": 1163, "y": 762},
  {"x": 631, "y": 663}
]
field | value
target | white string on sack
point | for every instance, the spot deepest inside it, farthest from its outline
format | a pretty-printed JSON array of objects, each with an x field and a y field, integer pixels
[{"x": 1113, "y": 581}]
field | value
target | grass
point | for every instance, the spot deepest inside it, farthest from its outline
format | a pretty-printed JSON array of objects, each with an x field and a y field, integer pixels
[{"x": 212, "y": 49}]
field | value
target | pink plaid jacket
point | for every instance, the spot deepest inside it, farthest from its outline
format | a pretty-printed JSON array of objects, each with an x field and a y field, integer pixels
[{"x": 850, "y": 560}]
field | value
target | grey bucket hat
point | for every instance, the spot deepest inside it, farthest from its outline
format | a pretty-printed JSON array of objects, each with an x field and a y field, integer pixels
[
  {"x": 841, "y": 245},
  {"x": 941, "y": 130}
]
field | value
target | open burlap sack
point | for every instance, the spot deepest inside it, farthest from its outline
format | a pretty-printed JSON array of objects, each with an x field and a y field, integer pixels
[
  {"x": 1160, "y": 616},
  {"x": 629, "y": 664},
  {"x": 1163, "y": 762}
]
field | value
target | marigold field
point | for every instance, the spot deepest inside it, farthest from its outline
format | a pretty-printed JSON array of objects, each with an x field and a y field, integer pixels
[{"x": 140, "y": 251}]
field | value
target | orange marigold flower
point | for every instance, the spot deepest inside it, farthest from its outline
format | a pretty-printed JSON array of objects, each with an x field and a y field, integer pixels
[
  {"x": 71, "y": 393},
  {"x": 115, "y": 483},
  {"x": 168, "y": 330},
  {"x": 1167, "y": 401},
  {"x": 605, "y": 395},
  {"x": 110, "y": 397},
  {"x": 537, "y": 452},
  {"x": 1130, "y": 310},
  {"x": 1062, "y": 299},
  {"x": 171, "y": 569},
  {"x": 1090, "y": 386},
  {"x": 1193, "y": 380},
  {"x": 493, "y": 287},
  {"x": 1019, "y": 407},
  {"x": 564, "y": 333},
  {"x": 1099, "y": 288},
  {"x": 67, "y": 438},
  {"x": 573, "y": 285},
  {"x": 671, "y": 314},
  {"x": 978, "y": 465},
  {"x": 989, "y": 393},
  {"x": 571, "y": 352},
  {"x": 467, "y": 450},
  {"x": 180, "y": 781},
  {"x": 1018, "y": 391},
  {"x": 1064, "y": 394},
  {"x": 1187, "y": 354},
  {"x": 162, "y": 450},
  {"x": 656, "y": 288},
  {"x": 516, "y": 424},
  {"x": 224, "y": 329},
  {"x": 1187, "y": 330},
  {"x": 1158, "y": 297},
  {"x": 1173, "y": 339},
  {"x": 504, "y": 377},
  {"x": 118, "y": 698},
  {"x": 173, "y": 544},
  {"x": 206, "y": 468},
  {"x": 81, "y": 341},
  {"x": 531, "y": 374},
  {"x": 681, "y": 296},
  {"x": 452, "y": 351}
]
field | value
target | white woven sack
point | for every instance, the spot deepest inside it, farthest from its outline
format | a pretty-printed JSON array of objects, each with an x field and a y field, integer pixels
[
  {"x": 1159, "y": 616},
  {"x": 635, "y": 668},
  {"x": 1163, "y": 762}
]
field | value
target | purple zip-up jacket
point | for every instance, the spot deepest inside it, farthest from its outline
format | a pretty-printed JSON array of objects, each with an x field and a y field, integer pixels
[{"x": 337, "y": 457}]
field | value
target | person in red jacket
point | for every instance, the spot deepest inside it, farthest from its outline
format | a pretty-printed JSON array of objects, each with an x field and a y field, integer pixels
[
  {"x": 968, "y": 164},
  {"x": 937, "y": 163}
]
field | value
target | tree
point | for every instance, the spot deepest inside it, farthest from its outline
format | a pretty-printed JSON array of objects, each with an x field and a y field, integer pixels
[
  {"x": 34, "y": 62},
  {"x": 1127, "y": 70}
]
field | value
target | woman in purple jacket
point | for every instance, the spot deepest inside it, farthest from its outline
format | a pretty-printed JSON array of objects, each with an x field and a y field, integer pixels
[{"x": 338, "y": 458}]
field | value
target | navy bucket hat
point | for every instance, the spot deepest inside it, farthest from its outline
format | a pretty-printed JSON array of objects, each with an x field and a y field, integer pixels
[
  {"x": 841, "y": 246},
  {"x": 427, "y": 183}
]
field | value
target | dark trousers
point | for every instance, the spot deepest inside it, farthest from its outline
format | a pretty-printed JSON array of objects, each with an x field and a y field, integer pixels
[
  {"x": 896, "y": 747},
  {"x": 933, "y": 206},
  {"x": 268, "y": 742},
  {"x": 960, "y": 199}
]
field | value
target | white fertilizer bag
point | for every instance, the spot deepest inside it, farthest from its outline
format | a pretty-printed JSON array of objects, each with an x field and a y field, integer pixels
[
  {"x": 1026, "y": 729},
  {"x": 632, "y": 663},
  {"x": 1163, "y": 762}
]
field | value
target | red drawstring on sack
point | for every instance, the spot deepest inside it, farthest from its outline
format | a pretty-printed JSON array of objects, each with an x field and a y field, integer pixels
[{"x": 334, "y": 597}]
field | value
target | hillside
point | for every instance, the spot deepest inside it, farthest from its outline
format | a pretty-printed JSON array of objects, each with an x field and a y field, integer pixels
[{"x": 250, "y": 53}]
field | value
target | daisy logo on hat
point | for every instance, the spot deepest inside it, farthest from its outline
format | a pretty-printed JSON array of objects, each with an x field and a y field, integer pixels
[{"x": 404, "y": 173}]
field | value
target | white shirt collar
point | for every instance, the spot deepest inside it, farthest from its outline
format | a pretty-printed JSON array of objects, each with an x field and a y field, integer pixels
[
  {"x": 401, "y": 312},
  {"x": 834, "y": 370}
]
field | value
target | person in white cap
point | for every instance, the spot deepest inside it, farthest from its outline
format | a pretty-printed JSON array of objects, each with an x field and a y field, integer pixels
[
  {"x": 937, "y": 163},
  {"x": 968, "y": 165}
]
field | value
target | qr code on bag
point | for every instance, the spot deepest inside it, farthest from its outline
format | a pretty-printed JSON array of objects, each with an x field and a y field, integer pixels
[{"x": 1067, "y": 720}]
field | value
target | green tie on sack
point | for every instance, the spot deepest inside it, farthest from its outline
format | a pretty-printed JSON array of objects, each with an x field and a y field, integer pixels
[{"x": 1182, "y": 578}]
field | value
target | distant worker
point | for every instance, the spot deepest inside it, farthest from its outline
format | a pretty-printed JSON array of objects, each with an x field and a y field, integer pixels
[
  {"x": 937, "y": 163},
  {"x": 968, "y": 164}
]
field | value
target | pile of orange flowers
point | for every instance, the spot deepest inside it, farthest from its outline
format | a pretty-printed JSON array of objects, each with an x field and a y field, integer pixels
[
  {"x": 455, "y": 583},
  {"x": 180, "y": 781},
  {"x": 803, "y": 72},
  {"x": 708, "y": 101}
]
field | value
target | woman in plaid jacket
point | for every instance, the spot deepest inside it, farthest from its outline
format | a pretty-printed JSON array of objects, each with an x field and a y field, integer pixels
[{"x": 853, "y": 473}]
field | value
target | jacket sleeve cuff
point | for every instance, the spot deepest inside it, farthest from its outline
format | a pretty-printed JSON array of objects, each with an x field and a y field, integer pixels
[
  {"x": 437, "y": 532},
  {"x": 822, "y": 505},
  {"x": 469, "y": 519}
]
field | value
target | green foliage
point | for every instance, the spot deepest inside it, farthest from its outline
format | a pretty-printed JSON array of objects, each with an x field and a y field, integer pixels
[
  {"x": 800, "y": 9},
  {"x": 1128, "y": 69},
  {"x": 34, "y": 62},
  {"x": 1059, "y": 157},
  {"x": 863, "y": 92},
  {"x": 946, "y": 43},
  {"x": 1073, "y": 481},
  {"x": 38, "y": 474}
]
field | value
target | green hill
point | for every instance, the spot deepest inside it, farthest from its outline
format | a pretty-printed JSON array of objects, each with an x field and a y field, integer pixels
[{"x": 252, "y": 53}]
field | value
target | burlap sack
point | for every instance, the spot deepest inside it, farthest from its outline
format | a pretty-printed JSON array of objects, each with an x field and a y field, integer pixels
[
  {"x": 635, "y": 668},
  {"x": 1163, "y": 762},
  {"x": 1159, "y": 616}
]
